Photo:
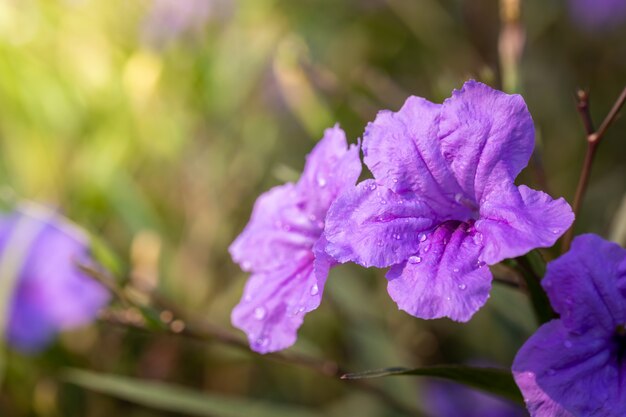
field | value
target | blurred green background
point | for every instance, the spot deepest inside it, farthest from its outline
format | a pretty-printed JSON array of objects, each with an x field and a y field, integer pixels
[{"x": 156, "y": 130}]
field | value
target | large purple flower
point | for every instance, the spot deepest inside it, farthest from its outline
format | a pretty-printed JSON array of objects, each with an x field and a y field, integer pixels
[
  {"x": 38, "y": 252},
  {"x": 598, "y": 15},
  {"x": 576, "y": 365},
  {"x": 443, "y": 202},
  {"x": 283, "y": 246}
]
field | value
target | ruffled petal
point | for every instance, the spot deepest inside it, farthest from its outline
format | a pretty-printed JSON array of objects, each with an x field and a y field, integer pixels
[
  {"x": 273, "y": 305},
  {"x": 403, "y": 152},
  {"x": 514, "y": 220},
  {"x": 584, "y": 285},
  {"x": 331, "y": 167},
  {"x": 445, "y": 278},
  {"x": 278, "y": 233},
  {"x": 480, "y": 128},
  {"x": 373, "y": 226},
  {"x": 564, "y": 374}
]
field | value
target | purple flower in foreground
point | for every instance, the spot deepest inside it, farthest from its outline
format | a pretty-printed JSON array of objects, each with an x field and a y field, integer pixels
[
  {"x": 39, "y": 251},
  {"x": 576, "y": 365},
  {"x": 447, "y": 399},
  {"x": 598, "y": 15},
  {"x": 443, "y": 203},
  {"x": 283, "y": 246}
]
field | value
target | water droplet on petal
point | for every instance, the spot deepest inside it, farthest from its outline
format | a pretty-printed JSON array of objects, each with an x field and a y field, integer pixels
[
  {"x": 462, "y": 286},
  {"x": 315, "y": 289},
  {"x": 448, "y": 298},
  {"x": 312, "y": 217},
  {"x": 383, "y": 201},
  {"x": 394, "y": 179},
  {"x": 262, "y": 341},
  {"x": 422, "y": 237},
  {"x": 427, "y": 248},
  {"x": 455, "y": 270},
  {"x": 478, "y": 238},
  {"x": 372, "y": 186},
  {"x": 301, "y": 309},
  {"x": 458, "y": 197},
  {"x": 259, "y": 313},
  {"x": 555, "y": 231},
  {"x": 321, "y": 181},
  {"x": 414, "y": 259},
  {"x": 397, "y": 236}
]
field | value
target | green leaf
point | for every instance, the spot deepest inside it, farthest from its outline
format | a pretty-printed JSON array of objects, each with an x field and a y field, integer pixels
[
  {"x": 166, "y": 397},
  {"x": 492, "y": 380}
]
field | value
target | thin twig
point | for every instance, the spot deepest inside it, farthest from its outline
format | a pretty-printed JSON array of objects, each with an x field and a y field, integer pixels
[
  {"x": 206, "y": 332},
  {"x": 593, "y": 141}
]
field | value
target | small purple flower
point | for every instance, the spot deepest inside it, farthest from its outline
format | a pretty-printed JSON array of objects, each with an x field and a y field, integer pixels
[
  {"x": 283, "y": 246},
  {"x": 598, "y": 15},
  {"x": 447, "y": 399},
  {"x": 576, "y": 365},
  {"x": 443, "y": 203},
  {"x": 169, "y": 19},
  {"x": 50, "y": 294}
]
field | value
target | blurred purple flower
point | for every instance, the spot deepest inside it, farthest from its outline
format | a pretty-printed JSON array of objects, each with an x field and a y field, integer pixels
[
  {"x": 597, "y": 15},
  {"x": 169, "y": 19},
  {"x": 443, "y": 202},
  {"x": 50, "y": 293},
  {"x": 283, "y": 246},
  {"x": 447, "y": 399},
  {"x": 575, "y": 365}
]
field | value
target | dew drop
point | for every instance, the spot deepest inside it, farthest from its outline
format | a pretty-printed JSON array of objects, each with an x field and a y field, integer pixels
[
  {"x": 259, "y": 313},
  {"x": 312, "y": 217},
  {"x": 397, "y": 236},
  {"x": 455, "y": 270},
  {"x": 301, "y": 309},
  {"x": 372, "y": 186},
  {"x": 462, "y": 286},
  {"x": 314, "y": 289},
  {"x": 321, "y": 181},
  {"x": 414, "y": 259},
  {"x": 427, "y": 248},
  {"x": 395, "y": 180},
  {"x": 262, "y": 341},
  {"x": 458, "y": 197},
  {"x": 379, "y": 243},
  {"x": 422, "y": 237},
  {"x": 555, "y": 231},
  {"x": 383, "y": 201},
  {"x": 448, "y": 298}
]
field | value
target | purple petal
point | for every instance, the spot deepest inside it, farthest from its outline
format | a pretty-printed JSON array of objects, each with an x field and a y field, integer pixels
[
  {"x": 481, "y": 128},
  {"x": 403, "y": 152},
  {"x": 373, "y": 226},
  {"x": 278, "y": 233},
  {"x": 564, "y": 374},
  {"x": 331, "y": 167},
  {"x": 274, "y": 304},
  {"x": 584, "y": 285},
  {"x": 514, "y": 220},
  {"x": 52, "y": 294},
  {"x": 443, "y": 279}
]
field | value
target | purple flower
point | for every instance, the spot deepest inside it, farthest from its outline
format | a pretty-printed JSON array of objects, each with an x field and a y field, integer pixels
[
  {"x": 598, "y": 15},
  {"x": 447, "y": 399},
  {"x": 283, "y": 246},
  {"x": 39, "y": 251},
  {"x": 169, "y": 19},
  {"x": 443, "y": 202},
  {"x": 576, "y": 365}
]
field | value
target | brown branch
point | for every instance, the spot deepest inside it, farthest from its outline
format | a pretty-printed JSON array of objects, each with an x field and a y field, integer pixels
[
  {"x": 593, "y": 142},
  {"x": 178, "y": 323}
]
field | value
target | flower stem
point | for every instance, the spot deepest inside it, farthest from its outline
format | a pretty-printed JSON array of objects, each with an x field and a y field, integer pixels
[{"x": 593, "y": 141}]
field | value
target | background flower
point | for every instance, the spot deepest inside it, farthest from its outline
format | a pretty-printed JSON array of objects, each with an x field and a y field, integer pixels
[
  {"x": 39, "y": 252},
  {"x": 598, "y": 15}
]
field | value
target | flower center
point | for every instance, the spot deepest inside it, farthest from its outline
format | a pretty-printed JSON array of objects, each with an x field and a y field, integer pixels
[{"x": 619, "y": 338}]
